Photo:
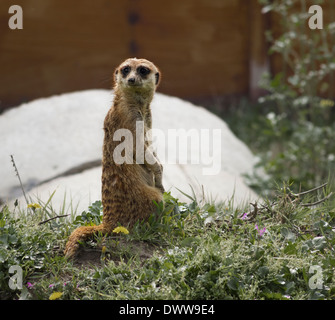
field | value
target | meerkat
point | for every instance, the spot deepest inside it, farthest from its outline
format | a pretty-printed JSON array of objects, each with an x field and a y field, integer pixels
[{"x": 128, "y": 189}]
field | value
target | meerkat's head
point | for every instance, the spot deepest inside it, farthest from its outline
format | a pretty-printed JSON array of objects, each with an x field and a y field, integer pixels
[{"x": 137, "y": 75}]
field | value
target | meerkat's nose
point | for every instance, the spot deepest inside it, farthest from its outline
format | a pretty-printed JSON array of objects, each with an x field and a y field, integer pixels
[{"x": 131, "y": 80}]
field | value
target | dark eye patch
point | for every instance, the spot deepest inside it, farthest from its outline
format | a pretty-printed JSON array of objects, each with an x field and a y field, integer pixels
[
  {"x": 125, "y": 70},
  {"x": 143, "y": 71},
  {"x": 157, "y": 77}
]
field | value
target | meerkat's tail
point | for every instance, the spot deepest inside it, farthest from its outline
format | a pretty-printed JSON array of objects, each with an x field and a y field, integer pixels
[{"x": 81, "y": 234}]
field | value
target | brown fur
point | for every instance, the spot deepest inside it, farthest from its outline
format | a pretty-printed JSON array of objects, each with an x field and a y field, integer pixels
[{"x": 128, "y": 190}]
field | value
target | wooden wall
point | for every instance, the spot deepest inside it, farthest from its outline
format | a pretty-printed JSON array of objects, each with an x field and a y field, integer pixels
[{"x": 204, "y": 48}]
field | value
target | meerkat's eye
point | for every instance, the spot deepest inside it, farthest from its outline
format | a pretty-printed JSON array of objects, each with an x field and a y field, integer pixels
[
  {"x": 143, "y": 71},
  {"x": 125, "y": 70}
]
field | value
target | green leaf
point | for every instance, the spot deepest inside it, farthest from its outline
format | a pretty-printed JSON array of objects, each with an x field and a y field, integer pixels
[
  {"x": 12, "y": 239},
  {"x": 168, "y": 265},
  {"x": 4, "y": 239},
  {"x": 3, "y": 256},
  {"x": 290, "y": 249},
  {"x": 274, "y": 296},
  {"x": 263, "y": 271},
  {"x": 233, "y": 284},
  {"x": 188, "y": 242},
  {"x": 288, "y": 234},
  {"x": 319, "y": 243}
]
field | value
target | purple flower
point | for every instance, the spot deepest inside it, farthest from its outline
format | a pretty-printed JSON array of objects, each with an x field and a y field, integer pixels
[
  {"x": 260, "y": 232},
  {"x": 30, "y": 285},
  {"x": 245, "y": 216},
  {"x": 51, "y": 285}
]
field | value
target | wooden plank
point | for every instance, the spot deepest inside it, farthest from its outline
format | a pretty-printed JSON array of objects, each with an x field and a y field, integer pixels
[
  {"x": 259, "y": 62},
  {"x": 204, "y": 48},
  {"x": 62, "y": 47},
  {"x": 200, "y": 46}
]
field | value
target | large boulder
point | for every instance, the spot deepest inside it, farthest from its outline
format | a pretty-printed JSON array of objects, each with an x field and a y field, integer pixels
[{"x": 57, "y": 145}]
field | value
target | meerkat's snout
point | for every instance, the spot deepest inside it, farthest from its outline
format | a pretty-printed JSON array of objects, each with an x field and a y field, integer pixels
[{"x": 131, "y": 81}]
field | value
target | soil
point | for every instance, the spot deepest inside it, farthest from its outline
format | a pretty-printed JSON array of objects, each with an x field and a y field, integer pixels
[{"x": 120, "y": 250}]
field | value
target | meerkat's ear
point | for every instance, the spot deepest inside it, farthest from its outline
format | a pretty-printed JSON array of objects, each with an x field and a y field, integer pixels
[
  {"x": 157, "y": 77},
  {"x": 115, "y": 74}
]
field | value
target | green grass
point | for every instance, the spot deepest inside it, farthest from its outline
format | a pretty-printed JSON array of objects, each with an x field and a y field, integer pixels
[{"x": 185, "y": 251}]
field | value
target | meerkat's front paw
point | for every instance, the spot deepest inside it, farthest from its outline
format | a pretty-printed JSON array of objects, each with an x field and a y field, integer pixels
[{"x": 161, "y": 188}]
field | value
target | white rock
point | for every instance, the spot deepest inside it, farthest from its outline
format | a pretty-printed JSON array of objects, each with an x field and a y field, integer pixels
[{"x": 50, "y": 136}]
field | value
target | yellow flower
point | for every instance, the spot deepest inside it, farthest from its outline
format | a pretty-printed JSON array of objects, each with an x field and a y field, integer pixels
[
  {"x": 121, "y": 229},
  {"x": 326, "y": 103},
  {"x": 103, "y": 250},
  {"x": 34, "y": 206},
  {"x": 55, "y": 295}
]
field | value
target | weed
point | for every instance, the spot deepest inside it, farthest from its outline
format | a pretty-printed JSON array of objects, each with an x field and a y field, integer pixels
[
  {"x": 185, "y": 251},
  {"x": 291, "y": 128}
]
